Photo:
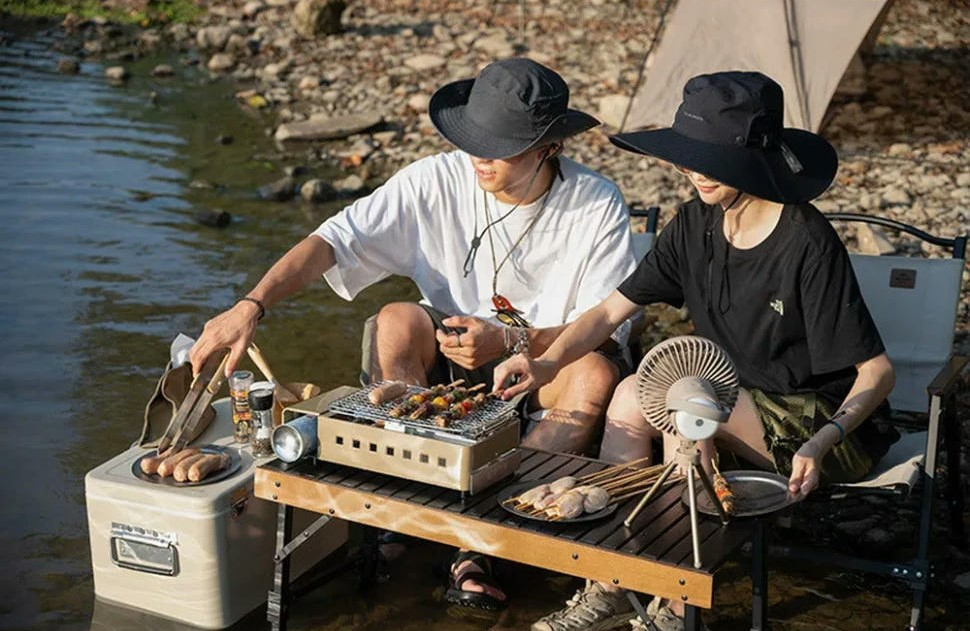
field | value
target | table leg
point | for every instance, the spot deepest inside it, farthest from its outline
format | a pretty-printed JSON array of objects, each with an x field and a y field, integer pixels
[
  {"x": 370, "y": 558},
  {"x": 277, "y": 602},
  {"x": 692, "y": 618},
  {"x": 759, "y": 578}
]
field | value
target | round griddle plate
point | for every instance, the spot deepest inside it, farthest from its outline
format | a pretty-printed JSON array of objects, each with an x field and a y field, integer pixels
[
  {"x": 235, "y": 460},
  {"x": 755, "y": 493},
  {"x": 521, "y": 487}
]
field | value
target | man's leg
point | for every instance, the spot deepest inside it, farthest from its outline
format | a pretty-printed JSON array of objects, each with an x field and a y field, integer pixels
[
  {"x": 576, "y": 400},
  {"x": 627, "y": 435},
  {"x": 405, "y": 343}
]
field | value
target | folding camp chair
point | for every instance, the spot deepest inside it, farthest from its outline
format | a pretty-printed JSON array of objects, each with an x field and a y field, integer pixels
[{"x": 914, "y": 303}]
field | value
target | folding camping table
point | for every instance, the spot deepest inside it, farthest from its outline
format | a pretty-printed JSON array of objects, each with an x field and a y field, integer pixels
[{"x": 653, "y": 556}]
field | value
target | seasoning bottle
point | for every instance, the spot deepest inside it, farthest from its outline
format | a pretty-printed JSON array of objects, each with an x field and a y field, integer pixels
[
  {"x": 239, "y": 384},
  {"x": 261, "y": 404}
]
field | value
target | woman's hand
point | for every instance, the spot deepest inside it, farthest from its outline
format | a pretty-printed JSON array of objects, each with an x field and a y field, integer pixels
[
  {"x": 233, "y": 329},
  {"x": 532, "y": 374},
  {"x": 478, "y": 344},
  {"x": 805, "y": 469}
]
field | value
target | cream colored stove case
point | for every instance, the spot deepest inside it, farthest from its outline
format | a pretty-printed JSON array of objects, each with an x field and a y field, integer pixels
[{"x": 202, "y": 555}]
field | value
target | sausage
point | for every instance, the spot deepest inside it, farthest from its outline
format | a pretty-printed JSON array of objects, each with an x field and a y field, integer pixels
[
  {"x": 208, "y": 464},
  {"x": 387, "y": 392},
  {"x": 181, "y": 473},
  {"x": 150, "y": 464},
  {"x": 168, "y": 465}
]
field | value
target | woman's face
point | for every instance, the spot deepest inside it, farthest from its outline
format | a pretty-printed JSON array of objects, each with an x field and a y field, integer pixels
[{"x": 710, "y": 191}]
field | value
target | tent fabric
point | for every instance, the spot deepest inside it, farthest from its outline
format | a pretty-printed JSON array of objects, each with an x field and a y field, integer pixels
[{"x": 706, "y": 36}]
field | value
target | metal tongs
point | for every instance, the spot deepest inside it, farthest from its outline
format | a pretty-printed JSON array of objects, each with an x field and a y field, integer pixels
[{"x": 204, "y": 387}]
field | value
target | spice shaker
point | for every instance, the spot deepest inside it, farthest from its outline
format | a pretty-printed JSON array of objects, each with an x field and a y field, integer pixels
[
  {"x": 261, "y": 404},
  {"x": 239, "y": 384}
]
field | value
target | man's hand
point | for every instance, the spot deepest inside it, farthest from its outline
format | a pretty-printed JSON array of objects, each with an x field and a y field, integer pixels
[
  {"x": 532, "y": 374},
  {"x": 478, "y": 344},
  {"x": 805, "y": 471},
  {"x": 233, "y": 329}
]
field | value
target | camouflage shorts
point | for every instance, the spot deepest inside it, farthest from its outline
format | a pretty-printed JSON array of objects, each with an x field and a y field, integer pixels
[{"x": 790, "y": 420}]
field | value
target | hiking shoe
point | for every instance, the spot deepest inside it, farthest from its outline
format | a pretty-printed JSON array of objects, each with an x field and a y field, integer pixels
[
  {"x": 661, "y": 619},
  {"x": 591, "y": 609}
]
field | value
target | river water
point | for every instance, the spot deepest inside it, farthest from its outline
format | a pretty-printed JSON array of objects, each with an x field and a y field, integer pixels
[{"x": 103, "y": 264}]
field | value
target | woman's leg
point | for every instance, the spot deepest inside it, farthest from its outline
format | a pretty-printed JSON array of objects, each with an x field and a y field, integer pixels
[{"x": 627, "y": 435}]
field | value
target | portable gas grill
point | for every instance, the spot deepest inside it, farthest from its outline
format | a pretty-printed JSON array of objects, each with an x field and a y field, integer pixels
[{"x": 468, "y": 455}]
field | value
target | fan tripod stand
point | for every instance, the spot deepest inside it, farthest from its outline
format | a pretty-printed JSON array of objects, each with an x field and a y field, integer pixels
[{"x": 688, "y": 456}]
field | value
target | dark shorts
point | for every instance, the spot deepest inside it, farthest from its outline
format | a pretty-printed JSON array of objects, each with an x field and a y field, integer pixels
[{"x": 789, "y": 420}]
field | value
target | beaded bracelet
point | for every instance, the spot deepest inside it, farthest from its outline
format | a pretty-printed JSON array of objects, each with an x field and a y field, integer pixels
[{"x": 257, "y": 302}]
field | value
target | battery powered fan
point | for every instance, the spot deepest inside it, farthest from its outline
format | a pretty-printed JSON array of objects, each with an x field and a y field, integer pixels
[{"x": 686, "y": 387}]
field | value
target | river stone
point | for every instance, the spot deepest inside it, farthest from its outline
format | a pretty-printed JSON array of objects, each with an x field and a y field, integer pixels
[
  {"x": 213, "y": 37},
  {"x": 221, "y": 62},
  {"x": 328, "y": 128},
  {"x": 317, "y": 191},
  {"x": 350, "y": 185},
  {"x": 873, "y": 241},
  {"x": 250, "y": 9},
  {"x": 318, "y": 17},
  {"x": 425, "y": 62},
  {"x": 116, "y": 73},
  {"x": 495, "y": 46},
  {"x": 278, "y": 191},
  {"x": 66, "y": 65},
  {"x": 162, "y": 70},
  {"x": 419, "y": 102}
]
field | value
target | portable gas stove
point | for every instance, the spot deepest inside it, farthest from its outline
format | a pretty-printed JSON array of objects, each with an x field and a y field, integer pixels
[{"x": 468, "y": 455}]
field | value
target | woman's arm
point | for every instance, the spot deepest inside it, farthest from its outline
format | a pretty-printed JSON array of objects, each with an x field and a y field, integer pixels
[
  {"x": 873, "y": 383},
  {"x": 583, "y": 336}
]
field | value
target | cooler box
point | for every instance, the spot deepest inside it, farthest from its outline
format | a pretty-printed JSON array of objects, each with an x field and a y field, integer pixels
[{"x": 202, "y": 555}]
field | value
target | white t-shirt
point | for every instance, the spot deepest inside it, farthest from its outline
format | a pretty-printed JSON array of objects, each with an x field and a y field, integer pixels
[{"x": 422, "y": 221}]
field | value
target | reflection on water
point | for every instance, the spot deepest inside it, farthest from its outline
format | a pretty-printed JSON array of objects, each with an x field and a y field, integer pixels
[{"x": 102, "y": 265}]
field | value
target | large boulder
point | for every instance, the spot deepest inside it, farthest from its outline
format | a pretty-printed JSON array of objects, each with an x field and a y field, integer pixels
[{"x": 312, "y": 18}]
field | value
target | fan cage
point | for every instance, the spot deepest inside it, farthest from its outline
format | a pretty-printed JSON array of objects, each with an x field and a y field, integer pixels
[{"x": 675, "y": 359}]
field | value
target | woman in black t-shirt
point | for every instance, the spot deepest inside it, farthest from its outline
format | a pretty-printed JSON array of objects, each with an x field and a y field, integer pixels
[{"x": 765, "y": 276}]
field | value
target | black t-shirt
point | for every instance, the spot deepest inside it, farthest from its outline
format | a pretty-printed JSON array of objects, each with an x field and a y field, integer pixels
[{"x": 787, "y": 311}]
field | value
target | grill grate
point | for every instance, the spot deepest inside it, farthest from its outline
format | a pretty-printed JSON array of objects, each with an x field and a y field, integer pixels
[{"x": 493, "y": 414}]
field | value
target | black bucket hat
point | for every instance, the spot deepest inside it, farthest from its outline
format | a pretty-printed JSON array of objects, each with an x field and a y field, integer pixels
[
  {"x": 730, "y": 127},
  {"x": 512, "y": 106}
]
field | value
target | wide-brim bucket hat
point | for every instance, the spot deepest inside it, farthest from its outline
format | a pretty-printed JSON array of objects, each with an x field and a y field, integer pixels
[
  {"x": 514, "y": 105},
  {"x": 729, "y": 127}
]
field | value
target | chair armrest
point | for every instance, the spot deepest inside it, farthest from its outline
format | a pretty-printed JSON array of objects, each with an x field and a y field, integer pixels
[{"x": 947, "y": 378}]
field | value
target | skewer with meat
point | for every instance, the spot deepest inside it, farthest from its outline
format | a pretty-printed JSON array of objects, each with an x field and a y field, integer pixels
[
  {"x": 595, "y": 498},
  {"x": 567, "y": 506},
  {"x": 421, "y": 411},
  {"x": 564, "y": 483},
  {"x": 723, "y": 490},
  {"x": 404, "y": 408}
]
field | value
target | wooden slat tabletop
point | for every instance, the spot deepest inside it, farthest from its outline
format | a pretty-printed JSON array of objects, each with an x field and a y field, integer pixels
[{"x": 654, "y": 555}]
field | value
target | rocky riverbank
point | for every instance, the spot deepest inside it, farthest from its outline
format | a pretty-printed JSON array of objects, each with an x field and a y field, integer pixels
[{"x": 350, "y": 86}]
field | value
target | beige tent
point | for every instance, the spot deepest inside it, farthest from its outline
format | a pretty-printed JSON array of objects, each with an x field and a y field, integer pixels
[{"x": 805, "y": 45}]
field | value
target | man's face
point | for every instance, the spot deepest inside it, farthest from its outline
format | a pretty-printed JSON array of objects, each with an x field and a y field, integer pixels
[{"x": 508, "y": 177}]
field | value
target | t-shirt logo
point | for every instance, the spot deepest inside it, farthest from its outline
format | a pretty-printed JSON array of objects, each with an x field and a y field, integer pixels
[{"x": 778, "y": 306}]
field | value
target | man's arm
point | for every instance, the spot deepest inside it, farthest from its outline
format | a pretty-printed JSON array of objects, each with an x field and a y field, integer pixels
[
  {"x": 235, "y": 327},
  {"x": 583, "y": 336},
  {"x": 873, "y": 383}
]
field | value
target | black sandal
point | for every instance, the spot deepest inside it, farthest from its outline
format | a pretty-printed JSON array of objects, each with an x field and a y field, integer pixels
[{"x": 482, "y": 576}]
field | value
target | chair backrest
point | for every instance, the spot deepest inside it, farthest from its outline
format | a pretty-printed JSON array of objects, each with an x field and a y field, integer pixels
[
  {"x": 914, "y": 303},
  {"x": 643, "y": 241}
]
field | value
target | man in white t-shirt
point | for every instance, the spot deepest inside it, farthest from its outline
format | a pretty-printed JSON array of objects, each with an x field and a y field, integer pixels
[{"x": 506, "y": 241}]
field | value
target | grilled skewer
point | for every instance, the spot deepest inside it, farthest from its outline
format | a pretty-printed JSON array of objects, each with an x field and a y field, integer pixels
[{"x": 723, "y": 490}]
